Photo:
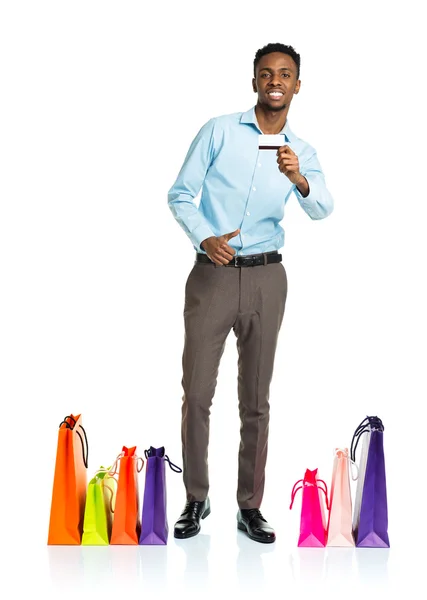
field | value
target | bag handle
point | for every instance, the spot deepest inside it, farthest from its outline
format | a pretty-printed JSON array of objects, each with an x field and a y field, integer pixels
[
  {"x": 67, "y": 423},
  {"x": 173, "y": 467},
  {"x": 113, "y": 470},
  {"x": 362, "y": 428},
  {"x": 345, "y": 455},
  {"x": 85, "y": 459},
  {"x": 68, "y": 426},
  {"x": 325, "y": 491},
  {"x": 111, "y": 491},
  {"x": 294, "y": 491},
  {"x": 150, "y": 452},
  {"x": 351, "y": 469},
  {"x": 366, "y": 425},
  {"x": 107, "y": 472}
]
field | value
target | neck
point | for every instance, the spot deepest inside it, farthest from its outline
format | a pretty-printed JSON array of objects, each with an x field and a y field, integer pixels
[{"x": 271, "y": 121}]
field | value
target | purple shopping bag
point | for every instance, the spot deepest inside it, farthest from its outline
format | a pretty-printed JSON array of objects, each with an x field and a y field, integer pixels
[
  {"x": 371, "y": 525},
  {"x": 154, "y": 523}
]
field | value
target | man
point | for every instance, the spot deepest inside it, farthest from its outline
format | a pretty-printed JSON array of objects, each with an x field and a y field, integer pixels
[{"x": 238, "y": 281}]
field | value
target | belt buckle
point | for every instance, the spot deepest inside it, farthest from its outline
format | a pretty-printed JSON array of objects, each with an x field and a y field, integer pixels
[{"x": 236, "y": 264}]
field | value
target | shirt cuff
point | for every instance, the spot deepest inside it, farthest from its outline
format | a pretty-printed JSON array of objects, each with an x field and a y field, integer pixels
[
  {"x": 310, "y": 189},
  {"x": 199, "y": 234}
]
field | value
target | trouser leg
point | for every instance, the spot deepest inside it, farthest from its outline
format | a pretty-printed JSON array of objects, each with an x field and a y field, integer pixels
[
  {"x": 211, "y": 303},
  {"x": 263, "y": 292}
]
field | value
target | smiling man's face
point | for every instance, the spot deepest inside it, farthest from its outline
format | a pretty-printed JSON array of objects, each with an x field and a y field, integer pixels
[{"x": 276, "y": 81}]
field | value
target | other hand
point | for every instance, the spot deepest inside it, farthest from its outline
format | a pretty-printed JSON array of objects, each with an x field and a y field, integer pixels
[{"x": 217, "y": 248}]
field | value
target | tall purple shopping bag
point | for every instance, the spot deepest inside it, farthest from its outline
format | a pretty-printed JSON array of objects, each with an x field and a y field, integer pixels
[
  {"x": 371, "y": 524},
  {"x": 154, "y": 522}
]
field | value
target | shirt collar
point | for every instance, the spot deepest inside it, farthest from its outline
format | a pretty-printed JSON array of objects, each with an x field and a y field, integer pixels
[{"x": 250, "y": 117}]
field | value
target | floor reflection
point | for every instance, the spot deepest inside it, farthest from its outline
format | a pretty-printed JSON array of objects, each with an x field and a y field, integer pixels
[
  {"x": 94, "y": 567},
  {"x": 97, "y": 565},
  {"x": 249, "y": 565},
  {"x": 125, "y": 566},
  {"x": 339, "y": 563},
  {"x": 154, "y": 566},
  {"x": 196, "y": 549},
  {"x": 65, "y": 564},
  {"x": 372, "y": 565},
  {"x": 311, "y": 564}
]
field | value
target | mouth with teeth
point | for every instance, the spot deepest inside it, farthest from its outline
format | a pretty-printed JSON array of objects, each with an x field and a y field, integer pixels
[{"x": 275, "y": 95}]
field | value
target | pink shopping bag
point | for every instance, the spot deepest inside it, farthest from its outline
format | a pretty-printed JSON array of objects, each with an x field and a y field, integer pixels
[
  {"x": 340, "y": 513},
  {"x": 313, "y": 519}
]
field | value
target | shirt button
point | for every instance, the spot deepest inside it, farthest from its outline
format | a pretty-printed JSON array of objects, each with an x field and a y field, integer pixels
[
  {"x": 243, "y": 235},
  {"x": 259, "y": 164},
  {"x": 254, "y": 189},
  {"x": 248, "y": 213}
]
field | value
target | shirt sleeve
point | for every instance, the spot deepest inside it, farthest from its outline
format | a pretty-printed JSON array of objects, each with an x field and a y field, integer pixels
[
  {"x": 188, "y": 184},
  {"x": 319, "y": 202}
]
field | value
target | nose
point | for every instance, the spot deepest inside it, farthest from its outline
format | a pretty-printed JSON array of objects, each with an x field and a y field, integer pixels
[{"x": 275, "y": 81}]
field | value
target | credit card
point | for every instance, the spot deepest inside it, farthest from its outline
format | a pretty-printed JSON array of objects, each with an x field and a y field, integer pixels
[{"x": 271, "y": 141}]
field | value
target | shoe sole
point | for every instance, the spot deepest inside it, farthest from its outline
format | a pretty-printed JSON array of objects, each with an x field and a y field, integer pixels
[
  {"x": 242, "y": 527},
  {"x": 189, "y": 535}
]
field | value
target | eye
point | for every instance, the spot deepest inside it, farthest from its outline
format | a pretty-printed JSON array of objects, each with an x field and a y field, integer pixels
[
  {"x": 286, "y": 75},
  {"x": 264, "y": 75}
]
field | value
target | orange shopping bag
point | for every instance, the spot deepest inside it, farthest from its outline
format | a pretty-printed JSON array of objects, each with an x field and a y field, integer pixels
[
  {"x": 69, "y": 483},
  {"x": 127, "y": 523}
]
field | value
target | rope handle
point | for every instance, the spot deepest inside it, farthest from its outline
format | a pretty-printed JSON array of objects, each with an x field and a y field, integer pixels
[
  {"x": 113, "y": 471},
  {"x": 85, "y": 454},
  {"x": 110, "y": 490},
  {"x": 107, "y": 472},
  {"x": 345, "y": 455},
  {"x": 67, "y": 423},
  {"x": 150, "y": 453},
  {"x": 294, "y": 491},
  {"x": 85, "y": 458},
  {"x": 173, "y": 467},
  {"x": 362, "y": 428},
  {"x": 366, "y": 425},
  {"x": 325, "y": 491},
  {"x": 351, "y": 469}
]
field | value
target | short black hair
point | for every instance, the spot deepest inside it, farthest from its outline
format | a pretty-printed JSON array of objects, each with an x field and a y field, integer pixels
[{"x": 278, "y": 48}]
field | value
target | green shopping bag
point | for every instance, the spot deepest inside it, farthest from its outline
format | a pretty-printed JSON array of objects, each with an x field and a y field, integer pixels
[{"x": 99, "y": 509}]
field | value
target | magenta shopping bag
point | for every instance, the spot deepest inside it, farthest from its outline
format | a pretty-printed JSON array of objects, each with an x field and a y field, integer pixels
[
  {"x": 313, "y": 525},
  {"x": 371, "y": 523},
  {"x": 154, "y": 523}
]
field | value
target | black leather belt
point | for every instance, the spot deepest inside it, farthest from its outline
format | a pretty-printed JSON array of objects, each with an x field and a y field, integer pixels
[{"x": 248, "y": 260}]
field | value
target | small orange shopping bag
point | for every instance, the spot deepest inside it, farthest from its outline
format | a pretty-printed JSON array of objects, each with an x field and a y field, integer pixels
[
  {"x": 127, "y": 522},
  {"x": 69, "y": 483}
]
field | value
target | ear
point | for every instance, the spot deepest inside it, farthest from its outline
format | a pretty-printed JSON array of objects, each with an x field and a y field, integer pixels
[
  {"x": 254, "y": 88},
  {"x": 297, "y": 86}
]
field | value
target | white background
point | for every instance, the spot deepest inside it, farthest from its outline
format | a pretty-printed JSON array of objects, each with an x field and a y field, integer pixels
[{"x": 100, "y": 102}]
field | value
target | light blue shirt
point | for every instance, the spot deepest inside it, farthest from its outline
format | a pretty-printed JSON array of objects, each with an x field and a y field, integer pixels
[{"x": 242, "y": 186}]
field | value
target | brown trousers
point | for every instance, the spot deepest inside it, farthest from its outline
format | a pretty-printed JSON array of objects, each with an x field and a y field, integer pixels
[{"x": 251, "y": 301}]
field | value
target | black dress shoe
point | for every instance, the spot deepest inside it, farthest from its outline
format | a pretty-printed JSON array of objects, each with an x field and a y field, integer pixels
[
  {"x": 188, "y": 523},
  {"x": 253, "y": 523}
]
